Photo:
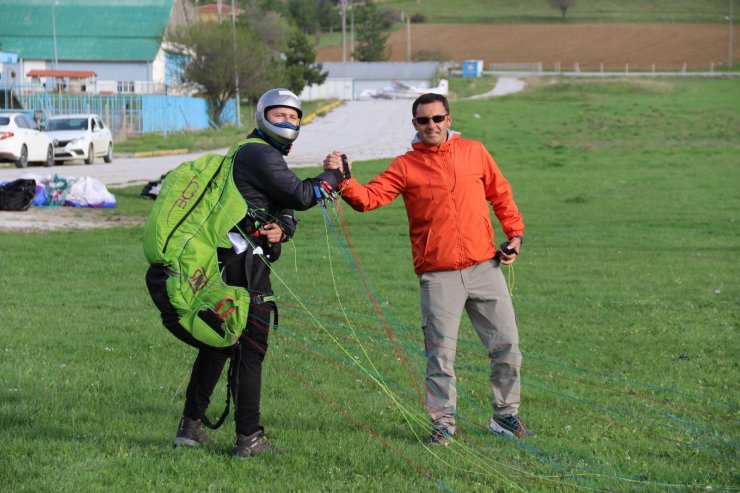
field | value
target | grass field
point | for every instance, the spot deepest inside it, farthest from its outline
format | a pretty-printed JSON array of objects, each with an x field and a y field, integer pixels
[
  {"x": 539, "y": 11},
  {"x": 613, "y": 34},
  {"x": 626, "y": 294}
]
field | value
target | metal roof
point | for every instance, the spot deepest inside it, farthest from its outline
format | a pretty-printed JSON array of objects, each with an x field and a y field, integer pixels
[
  {"x": 381, "y": 70},
  {"x": 85, "y": 29}
]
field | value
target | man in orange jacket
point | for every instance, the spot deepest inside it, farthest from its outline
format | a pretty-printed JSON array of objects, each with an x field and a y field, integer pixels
[{"x": 446, "y": 183}]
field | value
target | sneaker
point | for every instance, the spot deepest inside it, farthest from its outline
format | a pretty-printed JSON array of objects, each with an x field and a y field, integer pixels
[
  {"x": 254, "y": 444},
  {"x": 510, "y": 426},
  {"x": 439, "y": 436},
  {"x": 190, "y": 433}
]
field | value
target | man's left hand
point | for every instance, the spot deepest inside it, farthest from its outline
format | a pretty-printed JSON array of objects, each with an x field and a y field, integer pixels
[{"x": 509, "y": 258}]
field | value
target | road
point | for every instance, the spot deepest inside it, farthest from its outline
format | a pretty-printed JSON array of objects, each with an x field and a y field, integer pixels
[{"x": 364, "y": 130}]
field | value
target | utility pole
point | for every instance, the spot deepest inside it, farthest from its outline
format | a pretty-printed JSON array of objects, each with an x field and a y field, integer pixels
[
  {"x": 729, "y": 48},
  {"x": 54, "y": 31},
  {"x": 351, "y": 32},
  {"x": 343, "y": 13},
  {"x": 408, "y": 38},
  {"x": 236, "y": 72}
]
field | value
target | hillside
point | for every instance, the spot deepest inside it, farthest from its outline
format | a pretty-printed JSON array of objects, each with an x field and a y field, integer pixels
[
  {"x": 581, "y": 11},
  {"x": 668, "y": 46}
]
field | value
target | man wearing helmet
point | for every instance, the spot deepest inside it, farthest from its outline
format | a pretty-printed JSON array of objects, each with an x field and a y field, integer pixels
[{"x": 272, "y": 191}]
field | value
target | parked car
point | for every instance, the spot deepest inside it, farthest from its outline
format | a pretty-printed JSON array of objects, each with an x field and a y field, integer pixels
[
  {"x": 80, "y": 137},
  {"x": 22, "y": 141}
]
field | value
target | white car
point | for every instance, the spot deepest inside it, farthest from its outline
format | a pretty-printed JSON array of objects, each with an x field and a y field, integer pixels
[
  {"x": 80, "y": 137},
  {"x": 22, "y": 141}
]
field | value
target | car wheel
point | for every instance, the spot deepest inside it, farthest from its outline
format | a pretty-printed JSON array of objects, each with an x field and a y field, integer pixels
[
  {"x": 49, "y": 157},
  {"x": 90, "y": 155},
  {"x": 22, "y": 161},
  {"x": 108, "y": 158}
]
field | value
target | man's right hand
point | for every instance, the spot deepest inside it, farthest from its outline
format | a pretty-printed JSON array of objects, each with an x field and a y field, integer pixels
[{"x": 334, "y": 161}]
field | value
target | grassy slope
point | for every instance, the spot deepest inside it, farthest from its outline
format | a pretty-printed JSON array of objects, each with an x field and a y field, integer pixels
[
  {"x": 528, "y": 11},
  {"x": 626, "y": 294}
]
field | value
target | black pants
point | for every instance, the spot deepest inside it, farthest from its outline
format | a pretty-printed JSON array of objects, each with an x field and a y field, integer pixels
[{"x": 210, "y": 362}]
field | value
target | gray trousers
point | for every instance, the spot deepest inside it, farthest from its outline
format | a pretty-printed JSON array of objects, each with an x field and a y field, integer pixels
[{"x": 482, "y": 291}]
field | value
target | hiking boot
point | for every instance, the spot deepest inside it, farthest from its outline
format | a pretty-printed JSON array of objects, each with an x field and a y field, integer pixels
[
  {"x": 254, "y": 444},
  {"x": 439, "y": 436},
  {"x": 190, "y": 433},
  {"x": 510, "y": 426}
]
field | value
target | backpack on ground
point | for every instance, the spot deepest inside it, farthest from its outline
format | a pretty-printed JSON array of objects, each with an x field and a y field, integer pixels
[
  {"x": 17, "y": 195},
  {"x": 196, "y": 208}
]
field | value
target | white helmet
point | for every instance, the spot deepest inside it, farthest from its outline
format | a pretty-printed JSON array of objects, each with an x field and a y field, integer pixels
[{"x": 271, "y": 99}]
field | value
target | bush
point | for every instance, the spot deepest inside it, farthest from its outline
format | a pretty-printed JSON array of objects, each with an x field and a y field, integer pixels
[
  {"x": 418, "y": 18},
  {"x": 430, "y": 56},
  {"x": 391, "y": 15}
]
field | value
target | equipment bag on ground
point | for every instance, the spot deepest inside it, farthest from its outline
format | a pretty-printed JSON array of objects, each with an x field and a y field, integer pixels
[{"x": 17, "y": 195}]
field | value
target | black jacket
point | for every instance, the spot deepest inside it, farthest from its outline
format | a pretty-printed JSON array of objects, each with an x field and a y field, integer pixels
[{"x": 271, "y": 189}]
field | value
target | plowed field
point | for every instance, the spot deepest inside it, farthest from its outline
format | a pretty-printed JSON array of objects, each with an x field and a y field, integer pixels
[{"x": 668, "y": 46}]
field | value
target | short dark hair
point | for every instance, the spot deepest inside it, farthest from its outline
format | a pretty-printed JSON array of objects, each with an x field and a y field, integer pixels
[{"x": 427, "y": 98}]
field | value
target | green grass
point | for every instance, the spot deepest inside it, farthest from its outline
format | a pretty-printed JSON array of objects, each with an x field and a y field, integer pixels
[
  {"x": 539, "y": 11},
  {"x": 626, "y": 294}
]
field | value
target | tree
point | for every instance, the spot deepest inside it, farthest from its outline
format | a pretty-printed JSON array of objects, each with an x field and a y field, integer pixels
[
  {"x": 311, "y": 16},
  {"x": 270, "y": 26},
  {"x": 370, "y": 35},
  {"x": 210, "y": 63},
  {"x": 301, "y": 68},
  {"x": 562, "y": 6}
]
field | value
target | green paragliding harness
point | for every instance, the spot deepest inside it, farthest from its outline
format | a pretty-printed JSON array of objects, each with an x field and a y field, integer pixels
[{"x": 198, "y": 205}]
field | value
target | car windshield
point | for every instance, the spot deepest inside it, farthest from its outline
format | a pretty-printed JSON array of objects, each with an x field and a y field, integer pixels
[
  {"x": 67, "y": 124},
  {"x": 4, "y": 120}
]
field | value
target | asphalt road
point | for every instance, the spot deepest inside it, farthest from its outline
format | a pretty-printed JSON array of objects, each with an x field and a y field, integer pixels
[
  {"x": 364, "y": 130},
  {"x": 361, "y": 129}
]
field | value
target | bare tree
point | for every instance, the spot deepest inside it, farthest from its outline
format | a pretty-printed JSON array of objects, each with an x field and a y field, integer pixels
[{"x": 562, "y": 6}]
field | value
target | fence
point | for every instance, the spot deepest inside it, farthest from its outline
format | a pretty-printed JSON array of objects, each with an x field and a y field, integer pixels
[
  {"x": 576, "y": 70},
  {"x": 128, "y": 114}
]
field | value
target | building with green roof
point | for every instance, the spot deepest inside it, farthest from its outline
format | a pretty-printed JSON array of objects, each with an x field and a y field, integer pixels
[
  {"x": 99, "y": 56},
  {"x": 119, "y": 40}
]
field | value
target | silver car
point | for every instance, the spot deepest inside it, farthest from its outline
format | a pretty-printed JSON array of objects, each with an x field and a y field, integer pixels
[
  {"x": 80, "y": 136},
  {"x": 22, "y": 141}
]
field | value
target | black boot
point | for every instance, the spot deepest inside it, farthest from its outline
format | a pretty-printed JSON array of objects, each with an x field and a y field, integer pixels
[
  {"x": 190, "y": 433},
  {"x": 254, "y": 444}
]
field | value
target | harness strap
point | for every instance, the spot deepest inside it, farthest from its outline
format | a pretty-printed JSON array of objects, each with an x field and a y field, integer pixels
[
  {"x": 268, "y": 300},
  {"x": 232, "y": 388}
]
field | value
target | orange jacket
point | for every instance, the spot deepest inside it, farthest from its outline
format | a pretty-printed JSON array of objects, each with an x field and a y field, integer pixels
[{"x": 445, "y": 189}]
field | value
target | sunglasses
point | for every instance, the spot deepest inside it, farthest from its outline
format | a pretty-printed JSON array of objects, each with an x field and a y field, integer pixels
[{"x": 423, "y": 120}]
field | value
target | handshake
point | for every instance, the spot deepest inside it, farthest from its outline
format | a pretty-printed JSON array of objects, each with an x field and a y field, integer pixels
[{"x": 337, "y": 160}]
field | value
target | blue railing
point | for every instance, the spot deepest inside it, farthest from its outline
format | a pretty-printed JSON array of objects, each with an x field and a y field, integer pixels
[{"x": 125, "y": 114}]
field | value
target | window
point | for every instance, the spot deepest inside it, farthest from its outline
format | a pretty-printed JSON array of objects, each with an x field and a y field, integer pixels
[
  {"x": 125, "y": 86},
  {"x": 22, "y": 121}
]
